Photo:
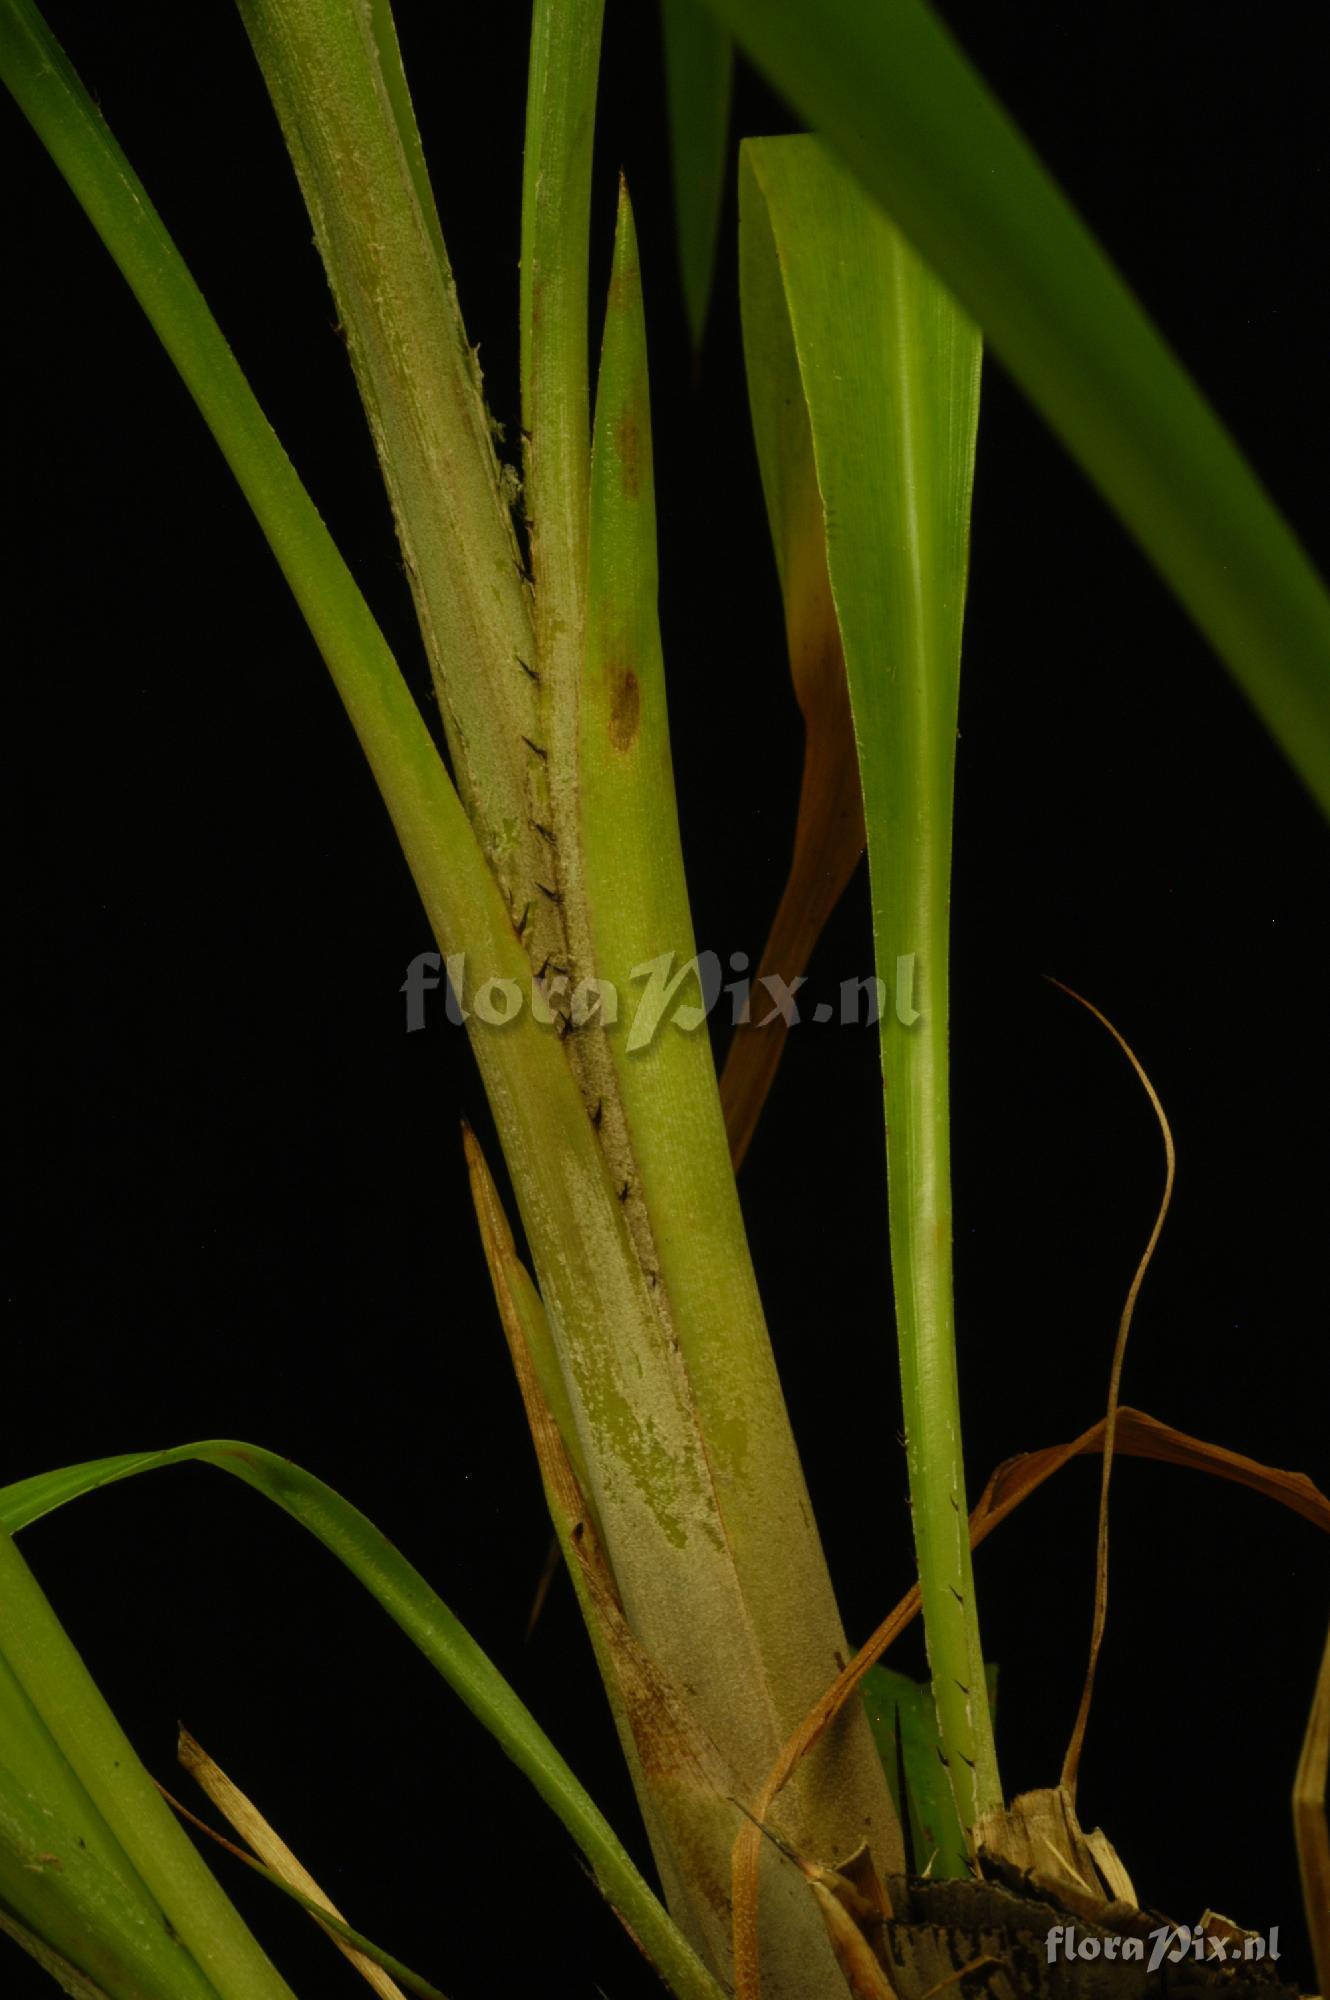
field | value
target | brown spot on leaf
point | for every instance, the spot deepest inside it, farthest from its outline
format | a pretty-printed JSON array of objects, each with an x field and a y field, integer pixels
[{"x": 625, "y": 709}]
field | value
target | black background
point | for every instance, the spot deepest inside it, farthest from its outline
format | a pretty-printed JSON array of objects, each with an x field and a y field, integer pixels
[{"x": 241, "y": 1198}]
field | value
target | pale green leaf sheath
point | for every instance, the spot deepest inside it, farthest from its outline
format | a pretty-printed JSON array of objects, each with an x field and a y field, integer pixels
[
  {"x": 864, "y": 379},
  {"x": 556, "y": 460},
  {"x": 334, "y": 73},
  {"x": 556, "y": 200},
  {"x": 702, "y": 1278}
]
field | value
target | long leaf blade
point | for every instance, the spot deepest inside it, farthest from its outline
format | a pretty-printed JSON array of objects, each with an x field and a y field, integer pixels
[
  {"x": 65, "y": 1974},
  {"x": 887, "y": 87},
  {"x": 412, "y": 1605},
  {"x": 433, "y": 829},
  {"x": 123, "y": 1863},
  {"x": 64, "y": 1873},
  {"x": 699, "y": 81},
  {"x": 71, "y": 1911},
  {"x": 841, "y": 319}
]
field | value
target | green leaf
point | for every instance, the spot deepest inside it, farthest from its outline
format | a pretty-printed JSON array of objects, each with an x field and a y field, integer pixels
[
  {"x": 40, "y": 1768},
  {"x": 884, "y": 84},
  {"x": 699, "y": 78},
  {"x": 864, "y": 383},
  {"x": 66, "y": 1975},
  {"x": 430, "y": 1625},
  {"x": 903, "y": 1718},
  {"x": 91, "y": 1858},
  {"x": 402, "y": 1974},
  {"x": 86, "y": 1915}
]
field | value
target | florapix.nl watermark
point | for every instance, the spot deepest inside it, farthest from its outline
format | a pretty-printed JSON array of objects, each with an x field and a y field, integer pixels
[
  {"x": 1216, "y": 1941},
  {"x": 683, "y": 993}
]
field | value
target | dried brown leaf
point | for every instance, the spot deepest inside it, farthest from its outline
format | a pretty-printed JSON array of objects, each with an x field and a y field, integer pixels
[
  {"x": 241, "y": 1814},
  {"x": 1038, "y": 1840},
  {"x": 864, "y": 1975},
  {"x": 1138, "y": 1435},
  {"x": 1115, "y": 1878},
  {"x": 859, "y": 1870},
  {"x": 1071, "y": 1763},
  {"x": 522, "y": 1316},
  {"x": 829, "y": 833},
  {"x": 1310, "y": 1823}
]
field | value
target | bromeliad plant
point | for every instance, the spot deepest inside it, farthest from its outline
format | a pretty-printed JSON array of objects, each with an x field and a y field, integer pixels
[{"x": 546, "y": 852}]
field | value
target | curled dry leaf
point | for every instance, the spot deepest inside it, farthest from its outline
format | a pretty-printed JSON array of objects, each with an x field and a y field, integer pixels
[
  {"x": 1311, "y": 1825},
  {"x": 1071, "y": 1763},
  {"x": 1138, "y": 1435}
]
